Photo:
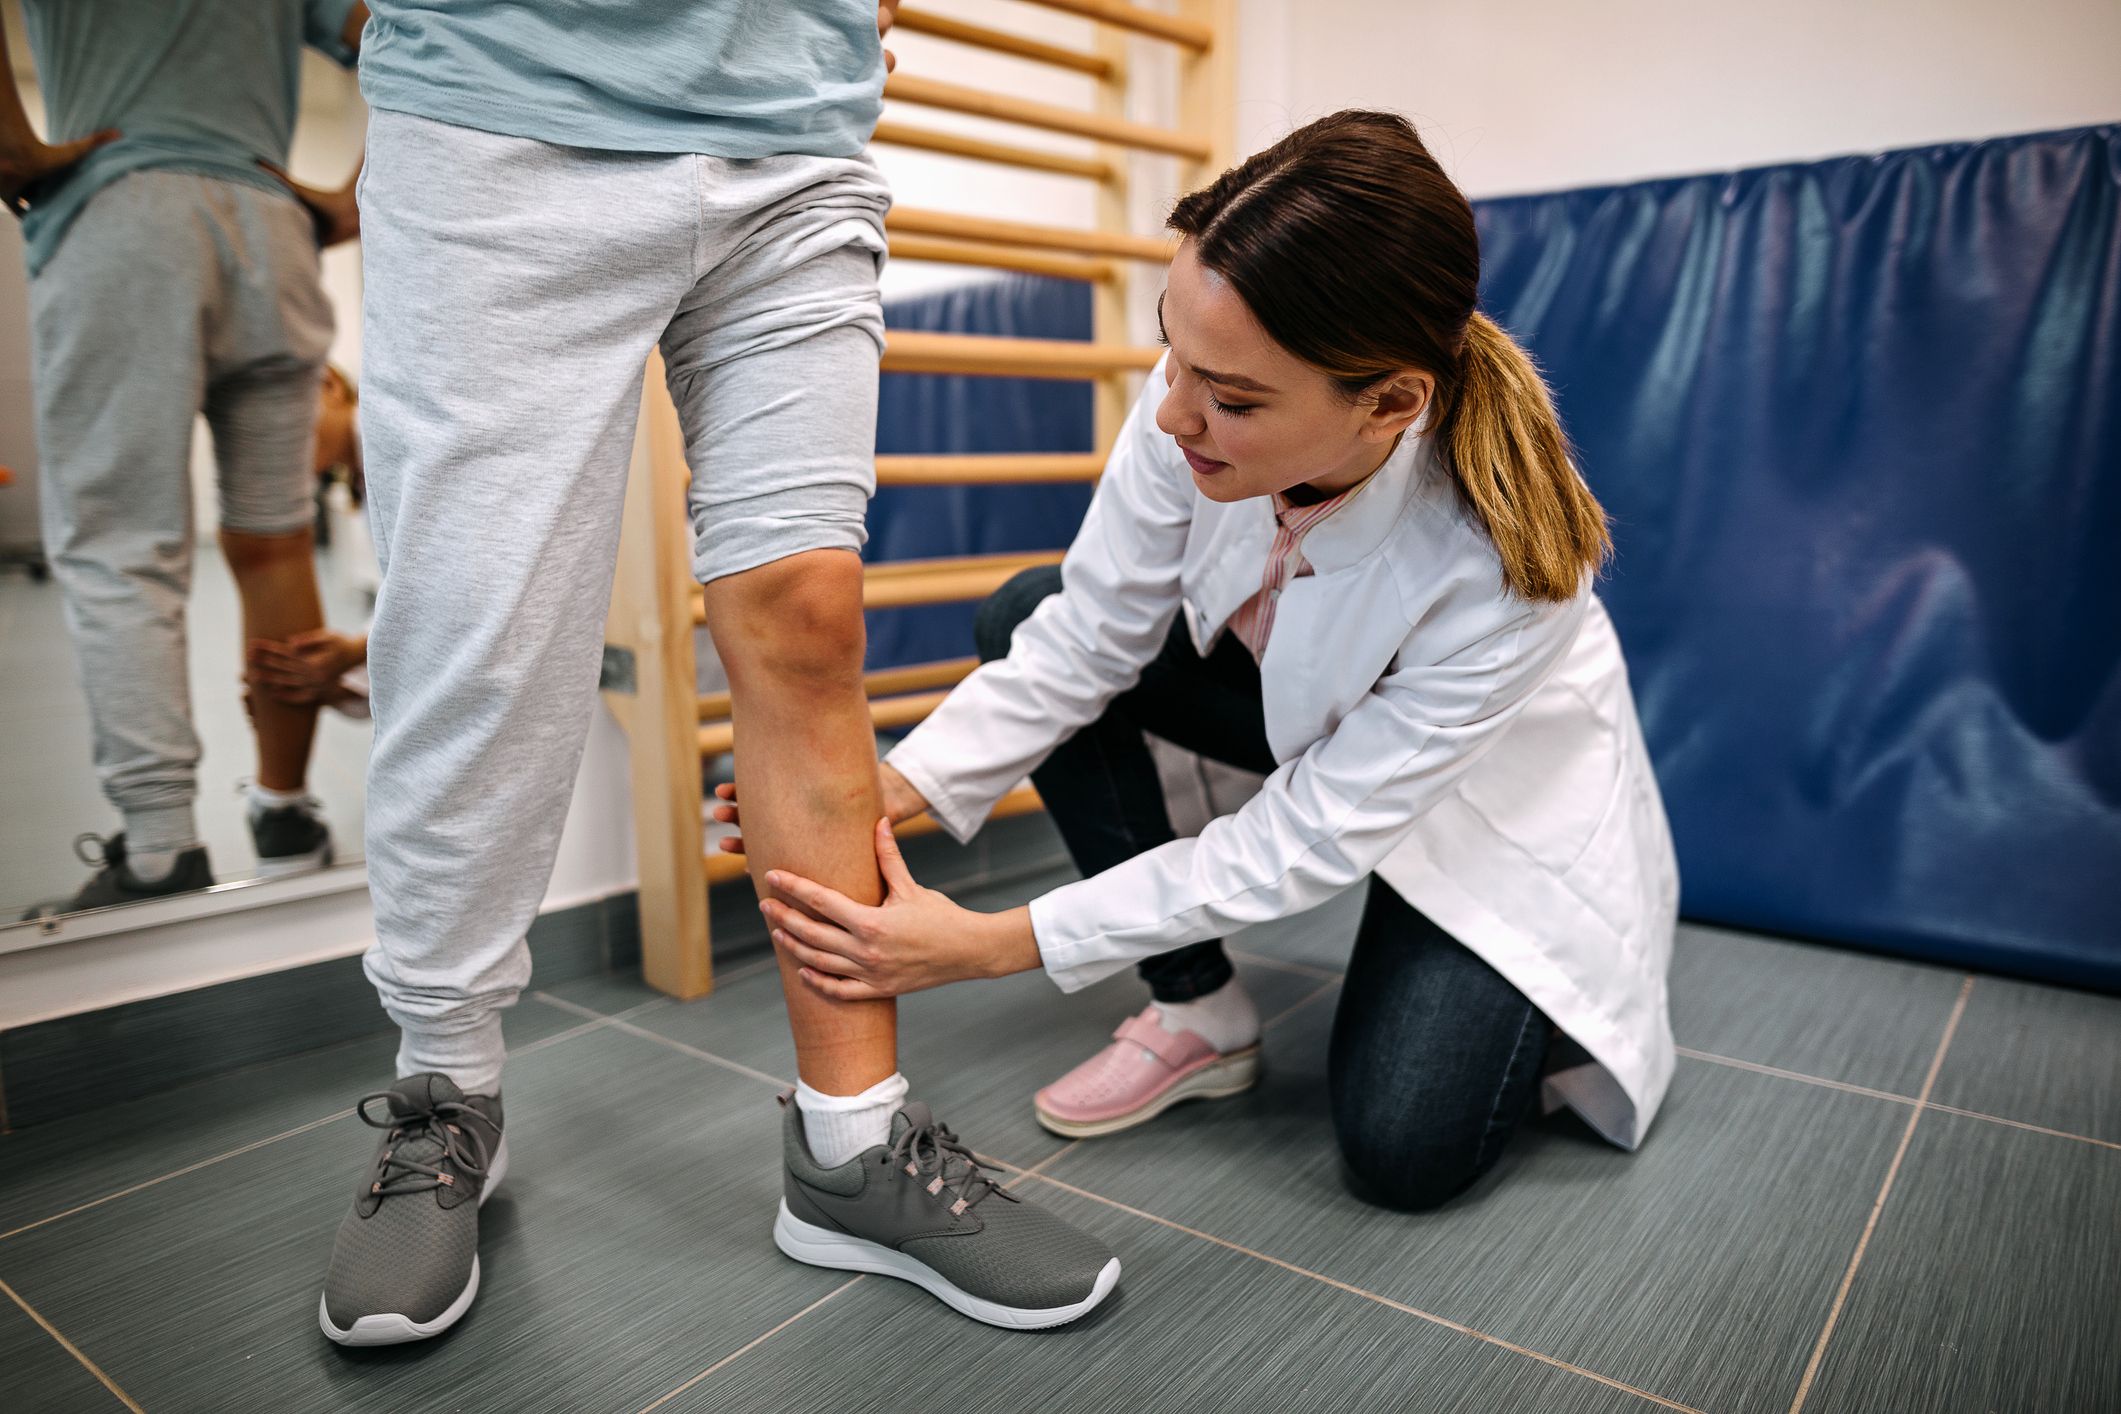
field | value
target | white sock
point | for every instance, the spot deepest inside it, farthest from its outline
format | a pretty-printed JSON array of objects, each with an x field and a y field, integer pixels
[
  {"x": 838, "y": 1127},
  {"x": 159, "y": 832},
  {"x": 262, "y": 799},
  {"x": 151, "y": 866},
  {"x": 1225, "y": 1018}
]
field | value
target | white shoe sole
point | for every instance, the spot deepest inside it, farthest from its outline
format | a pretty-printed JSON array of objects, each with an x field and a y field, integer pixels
[
  {"x": 318, "y": 858},
  {"x": 1232, "y": 1075},
  {"x": 821, "y": 1247},
  {"x": 389, "y": 1328}
]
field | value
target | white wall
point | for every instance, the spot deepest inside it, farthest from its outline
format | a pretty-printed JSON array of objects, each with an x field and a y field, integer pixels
[{"x": 1539, "y": 95}]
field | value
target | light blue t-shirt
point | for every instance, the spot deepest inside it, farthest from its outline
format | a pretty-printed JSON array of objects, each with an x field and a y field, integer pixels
[
  {"x": 200, "y": 85},
  {"x": 727, "y": 78}
]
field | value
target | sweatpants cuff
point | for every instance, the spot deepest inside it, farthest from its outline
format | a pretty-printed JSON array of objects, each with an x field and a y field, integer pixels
[
  {"x": 471, "y": 1058},
  {"x": 161, "y": 827}
]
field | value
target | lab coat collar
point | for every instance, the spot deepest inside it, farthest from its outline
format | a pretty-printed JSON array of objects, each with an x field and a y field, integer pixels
[{"x": 1358, "y": 528}]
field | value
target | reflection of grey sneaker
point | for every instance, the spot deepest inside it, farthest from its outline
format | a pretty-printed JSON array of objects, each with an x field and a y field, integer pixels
[
  {"x": 919, "y": 1208},
  {"x": 290, "y": 838},
  {"x": 114, "y": 881},
  {"x": 406, "y": 1263}
]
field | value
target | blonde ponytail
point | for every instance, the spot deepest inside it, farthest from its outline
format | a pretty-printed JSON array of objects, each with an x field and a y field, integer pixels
[{"x": 1505, "y": 447}]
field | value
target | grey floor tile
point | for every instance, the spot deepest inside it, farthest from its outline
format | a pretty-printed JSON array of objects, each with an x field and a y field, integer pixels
[
  {"x": 50, "y": 1167},
  {"x": 1700, "y": 1268},
  {"x": 1823, "y": 1011},
  {"x": 976, "y": 1051},
  {"x": 2041, "y": 1055},
  {"x": 1989, "y": 1283},
  {"x": 629, "y": 1249},
  {"x": 37, "y": 1376},
  {"x": 1192, "y": 1327},
  {"x": 606, "y": 993}
]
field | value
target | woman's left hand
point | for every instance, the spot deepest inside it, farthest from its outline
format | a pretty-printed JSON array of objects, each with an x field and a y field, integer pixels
[{"x": 915, "y": 939}]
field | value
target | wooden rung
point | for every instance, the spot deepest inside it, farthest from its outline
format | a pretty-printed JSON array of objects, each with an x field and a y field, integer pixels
[
  {"x": 1121, "y": 15},
  {"x": 720, "y": 868},
  {"x": 989, "y": 469},
  {"x": 917, "y": 569},
  {"x": 1003, "y": 42},
  {"x": 913, "y": 677},
  {"x": 915, "y": 351},
  {"x": 885, "y": 714},
  {"x": 911, "y": 582},
  {"x": 1024, "y": 800},
  {"x": 899, "y": 584},
  {"x": 919, "y": 221},
  {"x": 959, "y": 98},
  {"x": 1030, "y": 262},
  {"x": 982, "y": 150}
]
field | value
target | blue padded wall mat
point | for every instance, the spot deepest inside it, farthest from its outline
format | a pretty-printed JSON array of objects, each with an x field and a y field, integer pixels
[
  {"x": 1858, "y": 423},
  {"x": 934, "y": 414}
]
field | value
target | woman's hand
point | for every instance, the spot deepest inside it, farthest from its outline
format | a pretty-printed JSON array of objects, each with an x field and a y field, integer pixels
[
  {"x": 335, "y": 214},
  {"x": 901, "y": 803},
  {"x": 28, "y": 165},
  {"x": 915, "y": 939},
  {"x": 305, "y": 670}
]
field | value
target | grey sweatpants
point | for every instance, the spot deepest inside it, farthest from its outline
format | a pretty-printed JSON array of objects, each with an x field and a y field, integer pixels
[
  {"x": 513, "y": 291},
  {"x": 172, "y": 294}
]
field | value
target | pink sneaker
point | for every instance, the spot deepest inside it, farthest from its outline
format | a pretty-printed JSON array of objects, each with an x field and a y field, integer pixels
[{"x": 1145, "y": 1071}]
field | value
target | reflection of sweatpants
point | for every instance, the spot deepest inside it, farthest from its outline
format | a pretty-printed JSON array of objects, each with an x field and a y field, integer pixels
[
  {"x": 513, "y": 291},
  {"x": 170, "y": 295}
]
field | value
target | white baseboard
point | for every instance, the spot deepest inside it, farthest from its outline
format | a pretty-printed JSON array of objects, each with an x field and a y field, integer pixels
[{"x": 85, "y": 962}]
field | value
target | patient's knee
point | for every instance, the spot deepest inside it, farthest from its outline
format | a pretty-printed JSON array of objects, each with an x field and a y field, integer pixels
[
  {"x": 247, "y": 553},
  {"x": 796, "y": 623}
]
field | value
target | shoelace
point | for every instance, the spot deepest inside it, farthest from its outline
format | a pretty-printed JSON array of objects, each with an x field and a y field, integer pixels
[
  {"x": 923, "y": 1144},
  {"x": 396, "y": 1173}
]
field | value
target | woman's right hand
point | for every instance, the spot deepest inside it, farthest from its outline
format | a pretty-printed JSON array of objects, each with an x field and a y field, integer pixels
[{"x": 901, "y": 803}]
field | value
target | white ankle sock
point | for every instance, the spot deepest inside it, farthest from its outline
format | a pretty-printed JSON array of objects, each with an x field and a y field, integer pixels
[
  {"x": 840, "y": 1126},
  {"x": 262, "y": 799},
  {"x": 1225, "y": 1018},
  {"x": 151, "y": 866}
]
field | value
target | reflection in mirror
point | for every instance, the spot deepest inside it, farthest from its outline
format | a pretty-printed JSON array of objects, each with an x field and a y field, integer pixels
[{"x": 185, "y": 569}]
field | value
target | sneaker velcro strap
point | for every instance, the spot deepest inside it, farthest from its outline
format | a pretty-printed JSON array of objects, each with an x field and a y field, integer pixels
[{"x": 1174, "y": 1051}]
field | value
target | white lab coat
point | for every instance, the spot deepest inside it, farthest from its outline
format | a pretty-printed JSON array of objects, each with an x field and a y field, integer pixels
[{"x": 1479, "y": 753}]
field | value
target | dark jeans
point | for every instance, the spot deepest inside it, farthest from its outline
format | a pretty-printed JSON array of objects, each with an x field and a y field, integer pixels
[{"x": 1434, "y": 1058}]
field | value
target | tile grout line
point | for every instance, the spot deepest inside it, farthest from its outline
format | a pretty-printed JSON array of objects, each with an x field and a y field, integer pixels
[
  {"x": 1885, "y": 1189},
  {"x": 1400, "y": 1306},
  {"x": 2021, "y": 1124},
  {"x": 753, "y": 1344},
  {"x": 74, "y": 1350},
  {"x": 1294, "y": 1007},
  {"x": 1799, "y": 1076},
  {"x": 299, "y": 1129},
  {"x": 694, "y": 1051},
  {"x": 1033, "y": 1172}
]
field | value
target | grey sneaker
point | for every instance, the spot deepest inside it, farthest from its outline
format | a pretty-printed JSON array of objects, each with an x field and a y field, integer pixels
[
  {"x": 406, "y": 1262},
  {"x": 114, "y": 881},
  {"x": 290, "y": 838},
  {"x": 921, "y": 1209}
]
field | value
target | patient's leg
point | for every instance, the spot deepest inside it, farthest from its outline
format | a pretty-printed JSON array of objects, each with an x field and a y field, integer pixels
[{"x": 790, "y": 635}]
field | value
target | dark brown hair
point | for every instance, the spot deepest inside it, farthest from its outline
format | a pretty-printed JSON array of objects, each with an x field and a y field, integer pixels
[{"x": 1359, "y": 256}]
